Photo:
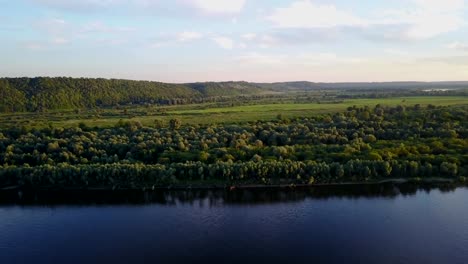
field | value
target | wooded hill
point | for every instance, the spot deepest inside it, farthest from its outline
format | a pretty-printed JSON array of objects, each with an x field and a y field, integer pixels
[
  {"x": 306, "y": 86},
  {"x": 45, "y": 93}
]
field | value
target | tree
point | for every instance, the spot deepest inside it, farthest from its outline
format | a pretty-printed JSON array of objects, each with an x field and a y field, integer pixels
[
  {"x": 175, "y": 124},
  {"x": 449, "y": 169}
]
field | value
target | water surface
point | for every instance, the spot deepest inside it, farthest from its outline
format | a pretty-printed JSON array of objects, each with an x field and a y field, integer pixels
[{"x": 340, "y": 225}]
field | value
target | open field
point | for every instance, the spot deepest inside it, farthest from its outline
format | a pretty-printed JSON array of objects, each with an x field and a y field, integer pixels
[{"x": 209, "y": 113}]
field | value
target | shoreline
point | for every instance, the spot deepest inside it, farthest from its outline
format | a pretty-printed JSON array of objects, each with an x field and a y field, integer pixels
[
  {"x": 172, "y": 195},
  {"x": 231, "y": 187}
]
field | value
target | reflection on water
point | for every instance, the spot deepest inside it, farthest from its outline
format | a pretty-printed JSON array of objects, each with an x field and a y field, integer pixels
[
  {"x": 217, "y": 197},
  {"x": 402, "y": 223}
]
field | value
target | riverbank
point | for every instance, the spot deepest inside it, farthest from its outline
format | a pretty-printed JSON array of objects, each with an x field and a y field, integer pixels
[
  {"x": 231, "y": 194},
  {"x": 200, "y": 185}
]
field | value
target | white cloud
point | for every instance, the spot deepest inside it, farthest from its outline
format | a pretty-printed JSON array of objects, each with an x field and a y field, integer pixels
[
  {"x": 224, "y": 42},
  {"x": 33, "y": 45},
  {"x": 446, "y": 60},
  {"x": 217, "y": 6},
  {"x": 60, "y": 41},
  {"x": 266, "y": 41},
  {"x": 255, "y": 58},
  {"x": 325, "y": 58},
  {"x": 423, "y": 19},
  {"x": 396, "y": 52},
  {"x": 51, "y": 25},
  {"x": 303, "y": 59},
  {"x": 458, "y": 46},
  {"x": 428, "y": 19},
  {"x": 188, "y": 36},
  {"x": 167, "y": 39},
  {"x": 441, "y": 6},
  {"x": 57, "y": 31},
  {"x": 249, "y": 36},
  {"x": 78, "y": 5},
  {"x": 186, "y": 7},
  {"x": 305, "y": 14},
  {"x": 101, "y": 27}
]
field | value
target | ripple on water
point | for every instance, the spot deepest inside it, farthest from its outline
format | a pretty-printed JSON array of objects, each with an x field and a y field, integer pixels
[{"x": 419, "y": 228}]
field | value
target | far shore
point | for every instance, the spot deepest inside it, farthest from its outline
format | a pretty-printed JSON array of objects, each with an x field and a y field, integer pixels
[{"x": 236, "y": 186}]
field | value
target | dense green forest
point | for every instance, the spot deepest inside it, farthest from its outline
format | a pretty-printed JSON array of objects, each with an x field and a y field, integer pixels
[
  {"x": 361, "y": 144},
  {"x": 43, "y": 94}
]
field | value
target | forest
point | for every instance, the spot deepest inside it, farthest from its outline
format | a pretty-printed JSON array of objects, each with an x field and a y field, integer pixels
[
  {"x": 43, "y": 94},
  {"x": 357, "y": 144}
]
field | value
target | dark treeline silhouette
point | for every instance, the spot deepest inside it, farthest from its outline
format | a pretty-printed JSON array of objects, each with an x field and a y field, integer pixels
[{"x": 214, "y": 197}]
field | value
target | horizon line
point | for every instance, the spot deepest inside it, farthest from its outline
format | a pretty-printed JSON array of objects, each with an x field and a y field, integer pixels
[{"x": 232, "y": 81}]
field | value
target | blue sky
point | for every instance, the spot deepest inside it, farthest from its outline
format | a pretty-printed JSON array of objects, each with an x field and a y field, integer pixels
[{"x": 221, "y": 40}]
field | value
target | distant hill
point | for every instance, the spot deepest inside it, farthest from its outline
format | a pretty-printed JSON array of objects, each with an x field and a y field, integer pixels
[
  {"x": 305, "y": 86},
  {"x": 226, "y": 88},
  {"x": 45, "y": 93}
]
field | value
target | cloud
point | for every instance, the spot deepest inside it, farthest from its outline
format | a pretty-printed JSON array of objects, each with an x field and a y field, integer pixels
[
  {"x": 255, "y": 58},
  {"x": 205, "y": 7},
  {"x": 100, "y": 27},
  {"x": 78, "y": 5},
  {"x": 293, "y": 36},
  {"x": 60, "y": 41},
  {"x": 427, "y": 19},
  {"x": 301, "y": 59},
  {"x": 167, "y": 39},
  {"x": 458, "y": 46},
  {"x": 296, "y": 36},
  {"x": 217, "y": 6},
  {"x": 423, "y": 19},
  {"x": 324, "y": 58},
  {"x": 188, "y": 36},
  {"x": 249, "y": 36},
  {"x": 32, "y": 45},
  {"x": 449, "y": 60},
  {"x": 441, "y": 6},
  {"x": 396, "y": 52},
  {"x": 51, "y": 25},
  {"x": 305, "y": 14},
  {"x": 57, "y": 31},
  {"x": 224, "y": 42}
]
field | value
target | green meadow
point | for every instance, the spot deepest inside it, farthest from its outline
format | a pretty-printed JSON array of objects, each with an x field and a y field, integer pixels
[{"x": 208, "y": 113}]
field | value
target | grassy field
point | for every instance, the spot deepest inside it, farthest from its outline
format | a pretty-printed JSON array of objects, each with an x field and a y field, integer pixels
[{"x": 207, "y": 113}]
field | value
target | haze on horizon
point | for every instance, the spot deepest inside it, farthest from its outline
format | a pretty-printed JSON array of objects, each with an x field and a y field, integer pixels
[{"x": 251, "y": 40}]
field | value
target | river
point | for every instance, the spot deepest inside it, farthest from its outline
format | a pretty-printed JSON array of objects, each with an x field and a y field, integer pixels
[{"x": 348, "y": 224}]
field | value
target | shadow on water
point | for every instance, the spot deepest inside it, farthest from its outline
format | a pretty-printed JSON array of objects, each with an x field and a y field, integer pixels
[{"x": 216, "y": 197}]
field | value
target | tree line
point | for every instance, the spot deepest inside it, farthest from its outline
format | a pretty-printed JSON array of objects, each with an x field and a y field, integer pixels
[
  {"x": 45, "y": 93},
  {"x": 360, "y": 144}
]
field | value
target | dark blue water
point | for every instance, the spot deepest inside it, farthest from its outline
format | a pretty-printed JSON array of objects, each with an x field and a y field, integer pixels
[{"x": 422, "y": 226}]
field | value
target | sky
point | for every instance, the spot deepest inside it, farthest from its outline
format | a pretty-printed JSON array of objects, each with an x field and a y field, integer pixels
[{"x": 233, "y": 40}]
